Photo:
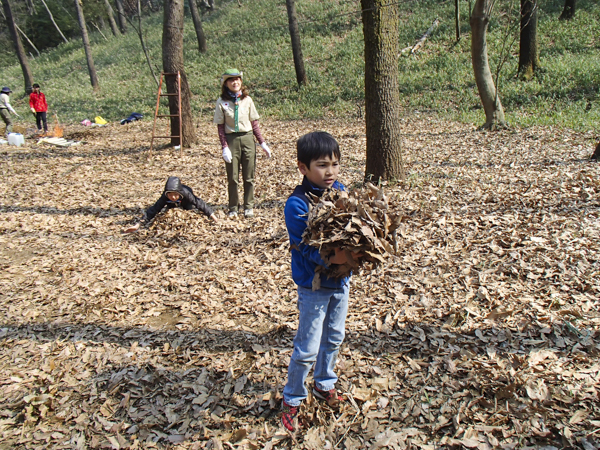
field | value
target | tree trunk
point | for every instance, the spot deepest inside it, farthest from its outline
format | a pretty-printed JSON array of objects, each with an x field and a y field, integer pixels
[
  {"x": 30, "y": 7},
  {"x": 14, "y": 34},
  {"x": 55, "y": 24},
  {"x": 141, "y": 36},
  {"x": 457, "y": 18},
  {"x": 480, "y": 17},
  {"x": 596, "y": 154},
  {"x": 528, "y": 50},
  {"x": 28, "y": 40},
  {"x": 111, "y": 18},
  {"x": 121, "y": 18},
  {"x": 296, "y": 46},
  {"x": 382, "y": 96},
  {"x": 86, "y": 46},
  {"x": 198, "y": 26},
  {"x": 568, "y": 11},
  {"x": 172, "y": 53}
]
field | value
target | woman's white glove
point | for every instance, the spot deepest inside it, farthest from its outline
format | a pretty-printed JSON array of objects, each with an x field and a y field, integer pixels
[
  {"x": 266, "y": 149},
  {"x": 227, "y": 155}
]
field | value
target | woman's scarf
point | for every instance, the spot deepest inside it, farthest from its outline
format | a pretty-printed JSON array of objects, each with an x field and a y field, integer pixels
[{"x": 236, "y": 97}]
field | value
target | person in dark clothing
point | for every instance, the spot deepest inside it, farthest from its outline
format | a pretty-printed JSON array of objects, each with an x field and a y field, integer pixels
[{"x": 175, "y": 195}]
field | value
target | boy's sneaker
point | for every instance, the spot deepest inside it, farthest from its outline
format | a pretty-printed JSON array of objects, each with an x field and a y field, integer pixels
[
  {"x": 288, "y": 416},
  {"x": 249, "y": 213},
  {"x": 331, "y": 397},
  {"x": 232, "y": 214}
]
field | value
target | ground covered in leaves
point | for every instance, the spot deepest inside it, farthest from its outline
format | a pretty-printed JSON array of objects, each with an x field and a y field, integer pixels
[{"x": 483, "y": 332}]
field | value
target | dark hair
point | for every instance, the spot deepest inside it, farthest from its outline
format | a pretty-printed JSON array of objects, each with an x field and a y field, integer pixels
[
  {"x": 315, "y": 145},
  {"x": 35, "y": 85},
  {"x": 225, "y": 92}
]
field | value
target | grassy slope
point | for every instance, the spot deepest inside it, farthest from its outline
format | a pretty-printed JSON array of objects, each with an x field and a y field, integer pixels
[{"x": 254, "y": 38}]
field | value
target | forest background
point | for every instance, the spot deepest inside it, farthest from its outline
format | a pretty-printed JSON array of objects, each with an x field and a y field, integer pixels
[{"x": 254, "y": 37}]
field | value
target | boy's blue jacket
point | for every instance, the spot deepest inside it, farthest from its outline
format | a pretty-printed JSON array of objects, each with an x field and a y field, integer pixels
[{"x": 306, "y": 258}]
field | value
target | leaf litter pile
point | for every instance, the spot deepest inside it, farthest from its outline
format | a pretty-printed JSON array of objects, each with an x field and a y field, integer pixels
[
  {"x": 356, "y": 222},
  {"x": 482, "y": 331}
]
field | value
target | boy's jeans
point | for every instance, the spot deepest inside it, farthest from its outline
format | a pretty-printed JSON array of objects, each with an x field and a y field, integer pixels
[{"x": 321, "y": 330}]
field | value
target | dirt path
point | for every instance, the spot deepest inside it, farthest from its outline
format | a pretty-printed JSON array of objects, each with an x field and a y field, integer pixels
[{"x": 483, "y": 332}]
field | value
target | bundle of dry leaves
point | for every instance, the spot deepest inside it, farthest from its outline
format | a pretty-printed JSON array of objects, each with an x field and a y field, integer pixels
[
  {"x": 482, "y": 331},
  {"x": 361, "y": 222}
]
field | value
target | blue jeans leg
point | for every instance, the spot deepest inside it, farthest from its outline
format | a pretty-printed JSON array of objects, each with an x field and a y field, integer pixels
[{"x": 321, "y": 330}]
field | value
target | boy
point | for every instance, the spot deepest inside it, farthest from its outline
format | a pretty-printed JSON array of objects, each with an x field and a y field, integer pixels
[
  {"x": 5, "y": 108},
  {"x": 39, "y": 107},
  {"x": 322, "y": 313},
  {"x": 175, "y": 195}
]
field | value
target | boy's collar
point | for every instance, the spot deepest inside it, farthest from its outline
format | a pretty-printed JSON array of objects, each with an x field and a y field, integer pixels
[{"x": 316, "y": 190}]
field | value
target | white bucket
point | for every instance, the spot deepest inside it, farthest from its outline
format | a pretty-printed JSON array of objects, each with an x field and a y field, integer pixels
[{"x": 15, "y": 139}]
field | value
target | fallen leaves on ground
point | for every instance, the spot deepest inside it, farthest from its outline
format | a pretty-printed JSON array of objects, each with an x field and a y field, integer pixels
[{"x": 482, "y": 332}]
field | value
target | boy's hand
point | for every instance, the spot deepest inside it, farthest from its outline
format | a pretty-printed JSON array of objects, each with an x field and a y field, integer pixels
[
  {"x": 33, "y": 110},
  {"x": 214, "y": 218},
  {"x": 342, "y": 256},
  {"x": 132, "y": 229}
]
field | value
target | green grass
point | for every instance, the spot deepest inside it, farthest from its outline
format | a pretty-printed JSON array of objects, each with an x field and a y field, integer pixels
[{"x": 254, "y": 37}]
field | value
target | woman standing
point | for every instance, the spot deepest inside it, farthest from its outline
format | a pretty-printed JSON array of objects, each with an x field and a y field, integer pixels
[{"x": 237, "y": 123}]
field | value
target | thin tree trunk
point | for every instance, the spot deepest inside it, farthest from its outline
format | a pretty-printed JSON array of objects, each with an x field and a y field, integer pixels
[
  {"x": 121, "y": 17},
  {"x": 30, "y": 43},
  {"x": 569, "y": 10},
  {"x": 528, "y": 50},
  {"x": 140, "y": 34},
  {"x": 86, "y": 46},
  {"x": 382, "y": 97},
  {"x": 55, "y": 25},
  {"x": 99, "y": 30},
  {"x": 296, "y": 45},
  {"x": 21, "y": 55},
  {"x": 457, "y": 18},
  {"x": 172, "y": 53},
  {"x": 111, "y": 18},
  {"x": 30, "y": 7},
  {"x": 480, "y": 17},
  {"x": 198, "y": 26}
]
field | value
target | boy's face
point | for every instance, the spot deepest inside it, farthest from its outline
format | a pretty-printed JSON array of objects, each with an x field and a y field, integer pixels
[
  {"x": 173, "y": 196},
  {"x": 36, "y": 90},
  {"x": 322, "y": 172}
]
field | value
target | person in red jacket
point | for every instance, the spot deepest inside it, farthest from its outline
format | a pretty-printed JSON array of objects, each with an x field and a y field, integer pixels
[{"x": 39, "y": 107}]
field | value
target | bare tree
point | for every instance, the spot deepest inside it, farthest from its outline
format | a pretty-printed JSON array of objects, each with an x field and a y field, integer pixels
[
  {"x": 111, "y": 18},
  {"x": 528, "y": 51},
  {"x": 30, "y": 7},
  {"x": 140, "y": 34},
  {"x": 568, "y": 11},
  {"x": 480, "y": 18},
  {"x": 28, "y": 40},
  {"x": 53, "y": 21},
  {"x": 296, "y": 46},
  {"x": 457, "y": 18},
  {"x": 121, "y": 17},
  {"x": 21, "y": 55},
  {"x": 172, "y": 53},
  {"x": 382, "y": 97},
  {"x": 86, "y": 45},
  {"x": 198, "y": 26}
]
